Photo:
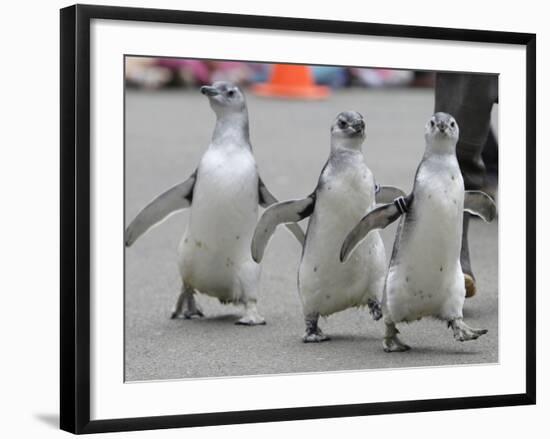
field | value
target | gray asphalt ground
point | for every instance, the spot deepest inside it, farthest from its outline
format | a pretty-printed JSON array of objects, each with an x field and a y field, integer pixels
[{"x": 166, "y": 134}]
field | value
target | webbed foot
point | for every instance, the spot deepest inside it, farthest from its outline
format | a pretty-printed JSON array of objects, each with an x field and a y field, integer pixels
[
  {"x": 313, "y": 333},
  {"x": 251, "y": 320},
  {"x": 252, "y": 317},
  {"x": 187, "y": 314},
  {"x": 391, "y": 342},
  {"x": 462, "y": 332},
  {"x": 186, "y": 308},
  {"x": 315, "y": 337}
]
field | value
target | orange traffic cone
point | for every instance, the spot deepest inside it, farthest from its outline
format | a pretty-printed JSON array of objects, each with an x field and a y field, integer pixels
[{"x": 291, "y": 81}]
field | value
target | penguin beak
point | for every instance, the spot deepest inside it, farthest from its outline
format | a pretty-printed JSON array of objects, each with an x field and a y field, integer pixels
[
  {"x": 209, "y": 90},
  {"x": 441, "y": 126}
]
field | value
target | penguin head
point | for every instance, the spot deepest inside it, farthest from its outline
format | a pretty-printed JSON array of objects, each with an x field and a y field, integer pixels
[
  {"x": 224, "y": 97},
  {"x": 441, "y": 126},
  {"x": 349, "y": 129}
]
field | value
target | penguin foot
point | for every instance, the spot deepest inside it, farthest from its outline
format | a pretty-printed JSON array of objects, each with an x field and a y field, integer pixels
[
  {"x": 470, "y": 284},
  {"x": 186, "y": 307},
  {"x": 393, "y": 344},
  {"x": 315, "y": 337},
  {"x": 251, "y": 317},
  {"x": 375, "y": 309},
  {"x": 313, "y": 332},
  {"x": 251, "y": 320},
  {"x": 391, "y": 341},
  {"x": 187, "y": 314},
  {"x": 462, "y": 332}
]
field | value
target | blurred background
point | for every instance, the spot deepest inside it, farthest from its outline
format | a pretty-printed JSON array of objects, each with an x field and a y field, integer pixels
[{"x": 157, "y": 73}]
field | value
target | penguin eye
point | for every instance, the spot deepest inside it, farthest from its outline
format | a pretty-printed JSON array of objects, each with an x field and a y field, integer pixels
[
  {"x": 231, "y": 93},
  {"x": 453, "y": 124},
  {"x": 432, "y": 123},
  {"x": 342, "y": 124}
]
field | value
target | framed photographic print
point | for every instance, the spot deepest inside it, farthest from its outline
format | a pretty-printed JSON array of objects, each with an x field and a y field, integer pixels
[{"x": 401, "y": 159}]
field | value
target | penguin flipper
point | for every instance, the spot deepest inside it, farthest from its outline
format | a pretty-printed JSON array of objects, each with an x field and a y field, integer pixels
[
  {"x": 267, "y": 199},
  {"x": 378, "y": 218},
  {"x": 279, "y": 213},
  {"x": 386, "y": 194},
  {"x": 177, "y": 198},
  {"x": 480, "y": 204}
]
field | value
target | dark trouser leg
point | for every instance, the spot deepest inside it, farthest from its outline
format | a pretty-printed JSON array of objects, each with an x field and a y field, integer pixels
[
  {"x": 469, "y": 279},
  {"x": 469, "y": 98},
  {"x": 490, "y": 153},
  {"x": 490, "y": 158},
  {"x": 465, "y": 250}
]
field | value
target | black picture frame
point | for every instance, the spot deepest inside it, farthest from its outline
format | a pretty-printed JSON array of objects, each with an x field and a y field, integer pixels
[{"x": 75, "y": 217}]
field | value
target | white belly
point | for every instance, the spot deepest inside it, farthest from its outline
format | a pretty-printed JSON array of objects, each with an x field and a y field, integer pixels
[
  {"x": 425, "y": 278},
  {"x": 224, "y": 211},
  {"x": 326, "y": 285}
]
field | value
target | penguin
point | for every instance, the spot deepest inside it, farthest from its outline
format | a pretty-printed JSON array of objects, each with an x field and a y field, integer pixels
[
  {"x": 345, "y": 192},
  {"x": 425, "y": 275},
  {"x": 223, "y": 194}
]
